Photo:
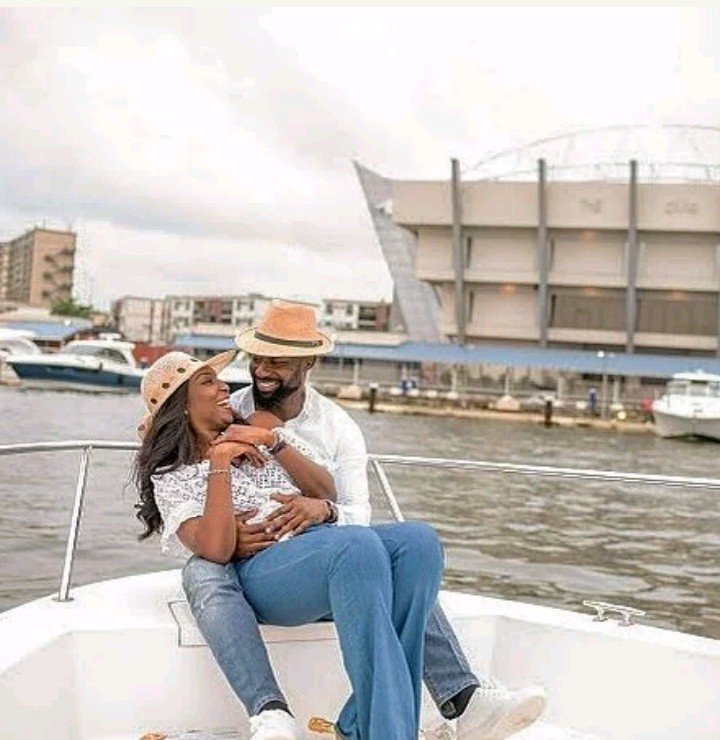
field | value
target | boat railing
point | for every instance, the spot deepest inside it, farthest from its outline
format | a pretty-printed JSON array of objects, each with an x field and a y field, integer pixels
[{"x": 377, "y": 464}]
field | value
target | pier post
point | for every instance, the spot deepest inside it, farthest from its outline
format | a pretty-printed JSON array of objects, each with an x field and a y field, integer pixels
[
  {"x": 372, "y": 397},
  {"x": 548, "y": 412}
]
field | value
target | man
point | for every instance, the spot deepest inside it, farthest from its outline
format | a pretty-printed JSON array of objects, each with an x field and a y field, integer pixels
[{"x": 283, "y": 350}]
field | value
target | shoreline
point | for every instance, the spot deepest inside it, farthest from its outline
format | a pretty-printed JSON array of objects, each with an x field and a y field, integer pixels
[{"x": 606, "y": 425}]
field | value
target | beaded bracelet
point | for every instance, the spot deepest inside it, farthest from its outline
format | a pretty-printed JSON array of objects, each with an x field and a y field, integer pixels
[{"x": 218, "y": 470}]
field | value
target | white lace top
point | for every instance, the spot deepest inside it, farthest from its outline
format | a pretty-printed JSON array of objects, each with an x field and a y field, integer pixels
[{"x": 180, "y": 494}]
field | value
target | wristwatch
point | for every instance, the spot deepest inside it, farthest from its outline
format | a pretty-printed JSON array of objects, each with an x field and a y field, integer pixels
[
  {"x": 280, "y": 443},
  {"x": 332, "y": 513}
]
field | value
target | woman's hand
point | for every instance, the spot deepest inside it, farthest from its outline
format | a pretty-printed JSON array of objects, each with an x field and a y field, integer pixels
[
  {"x": 225, "y": 451},
  {"x": 296, "y": 514},
  {"x": 250, "y": 435}
]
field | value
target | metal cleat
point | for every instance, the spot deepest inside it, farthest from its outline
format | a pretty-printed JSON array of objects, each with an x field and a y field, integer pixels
[{"x": 625, "y": 615}]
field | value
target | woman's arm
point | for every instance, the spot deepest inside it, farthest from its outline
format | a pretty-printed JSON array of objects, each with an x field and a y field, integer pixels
[{"x": 213, "y": 535}]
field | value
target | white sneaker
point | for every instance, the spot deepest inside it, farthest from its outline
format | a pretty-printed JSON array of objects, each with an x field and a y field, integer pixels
[
  {"x": 494, "y": 712},
  {"x": 439, "y": 729},
  {"x": 274, "y": 724}
]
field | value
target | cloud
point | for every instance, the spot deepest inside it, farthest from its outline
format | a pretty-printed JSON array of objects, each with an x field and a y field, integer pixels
[{"x": 230, "y": 132}]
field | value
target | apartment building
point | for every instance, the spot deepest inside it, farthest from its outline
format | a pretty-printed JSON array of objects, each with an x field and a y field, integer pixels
[
  {"x": 183, "y": 313},
  {"x": 341, "y": 314},
  {"x": 140, "y": 319},
  {"x": 162, "y": 320},
  {"x": 629, "y": 266},
  {"x": 37, "y": 267}
]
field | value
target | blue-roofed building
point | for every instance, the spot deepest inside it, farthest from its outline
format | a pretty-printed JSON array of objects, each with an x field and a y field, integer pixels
[
  {"x": 50, "y": 334},
  {"x": 391, "y": 361}
]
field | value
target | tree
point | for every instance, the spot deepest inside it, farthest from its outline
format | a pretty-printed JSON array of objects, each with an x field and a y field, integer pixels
[{"x": 70, "y": 307}]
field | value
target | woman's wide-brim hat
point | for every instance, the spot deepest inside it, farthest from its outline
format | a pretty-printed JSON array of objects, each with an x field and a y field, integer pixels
[
  {"x": 286, "y": 330},
  {"x": 168, "y": 373}
]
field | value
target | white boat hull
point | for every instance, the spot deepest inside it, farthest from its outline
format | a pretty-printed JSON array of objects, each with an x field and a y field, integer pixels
[
  {"x": 690, "y": 406},
  {"x": 686, "y": 425},
  {"x": 125, "y": 658}
]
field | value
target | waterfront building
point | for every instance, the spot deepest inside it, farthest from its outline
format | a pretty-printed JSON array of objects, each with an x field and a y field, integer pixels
[
  {"x": 342, "y": 314},
  {"x": 139, "y": 319},
  {"x": 225, "y": 314},
  {"x": 184, "y": 313},
  {"x": 617, "y": 254},
  {"x": 37, "y": 267},
  {"x": 48, "y": 331}
]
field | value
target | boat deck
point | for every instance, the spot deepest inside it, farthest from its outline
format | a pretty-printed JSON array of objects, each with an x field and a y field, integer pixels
[
  {"x": 125, "y": 658},
  {"x": 539, "y": 731}
]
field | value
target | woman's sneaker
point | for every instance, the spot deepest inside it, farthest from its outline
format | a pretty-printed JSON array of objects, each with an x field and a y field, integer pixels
[
  {"x": 274, "y": 724},
  {"x": 494, "y": 712}
]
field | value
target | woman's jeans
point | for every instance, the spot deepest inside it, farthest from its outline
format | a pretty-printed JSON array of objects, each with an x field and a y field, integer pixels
[{"x": 378, "y": 584}]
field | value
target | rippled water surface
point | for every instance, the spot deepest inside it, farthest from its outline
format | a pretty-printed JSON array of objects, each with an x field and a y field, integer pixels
[{"x": 547, "y": 541}]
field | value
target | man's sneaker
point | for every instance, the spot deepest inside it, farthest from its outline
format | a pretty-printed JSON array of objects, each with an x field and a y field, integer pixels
[
  {"x": 439, "y": 729},
  {"x": 274, "y": 724},
  {"x": 494, "y": 712}
]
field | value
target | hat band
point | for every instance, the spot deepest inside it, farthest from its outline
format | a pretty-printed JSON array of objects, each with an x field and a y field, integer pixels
[{"x": 288, "y": 342}]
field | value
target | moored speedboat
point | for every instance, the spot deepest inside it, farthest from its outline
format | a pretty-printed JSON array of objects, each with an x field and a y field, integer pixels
[
  {"x": 105, "y": 364},
  {"x": 124, "y": 657},
  {"x": 690, "y": 407},
  {"x": 14, "y": 342}
]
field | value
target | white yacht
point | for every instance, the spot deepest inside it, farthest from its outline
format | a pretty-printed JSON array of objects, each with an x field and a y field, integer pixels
[
  {"x": 690, "y": 406},
  {"x": 104, "y": 364},
  {"x": 123, "y": 659},
  {"x": 15, "y": 342}
]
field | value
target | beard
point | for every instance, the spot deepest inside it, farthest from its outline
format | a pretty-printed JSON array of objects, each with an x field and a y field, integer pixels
[{"x": 285, "y": 389}]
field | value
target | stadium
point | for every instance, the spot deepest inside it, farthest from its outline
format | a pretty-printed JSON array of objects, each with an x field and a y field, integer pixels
[{"x": 595, "y": 240}]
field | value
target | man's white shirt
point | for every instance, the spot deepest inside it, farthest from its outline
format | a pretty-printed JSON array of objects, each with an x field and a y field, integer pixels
[{"x": 338, "y": 443}]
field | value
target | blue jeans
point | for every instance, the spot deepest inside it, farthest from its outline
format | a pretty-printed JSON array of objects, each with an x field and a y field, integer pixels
[{"x": 401, "y": 559}]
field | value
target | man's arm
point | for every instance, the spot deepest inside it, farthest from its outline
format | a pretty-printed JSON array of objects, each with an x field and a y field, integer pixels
[
  {"x": 350, "y": 475},
  {"x": 312, "y": 479}
]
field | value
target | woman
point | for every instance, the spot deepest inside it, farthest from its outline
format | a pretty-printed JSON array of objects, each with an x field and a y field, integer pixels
[{"x": 378, "y": 590}]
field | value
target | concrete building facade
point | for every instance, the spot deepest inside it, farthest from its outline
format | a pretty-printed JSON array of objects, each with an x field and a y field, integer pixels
[
  {"x": 140, "y": 319},
  {"x": 222, "y": 314},
  {"x": 341, "y": 314},
  {"x": 37, "y": 268},
  {"x": 627, "y": 266},
  {"x": 182, "y": 313}
]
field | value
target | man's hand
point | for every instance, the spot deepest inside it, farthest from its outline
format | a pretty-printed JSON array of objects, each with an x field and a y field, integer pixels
[
  {"x": 251, "y": 538},
  {"x": 296, "y": 514}
]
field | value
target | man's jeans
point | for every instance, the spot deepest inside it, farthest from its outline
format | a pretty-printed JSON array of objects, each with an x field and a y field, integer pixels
[{"x": 269, "y": 580}]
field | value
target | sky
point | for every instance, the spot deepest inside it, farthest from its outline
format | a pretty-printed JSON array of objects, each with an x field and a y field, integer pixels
[{"x": 210, "y": 150}]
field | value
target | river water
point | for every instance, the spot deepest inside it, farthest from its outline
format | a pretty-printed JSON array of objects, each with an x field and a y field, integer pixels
[{"x": 545, "y": 541}]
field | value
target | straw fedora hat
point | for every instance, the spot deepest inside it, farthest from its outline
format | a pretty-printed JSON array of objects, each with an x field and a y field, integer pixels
[
  {"x": 286, "y": 330},
  {"x": 168, "y": 373}
]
